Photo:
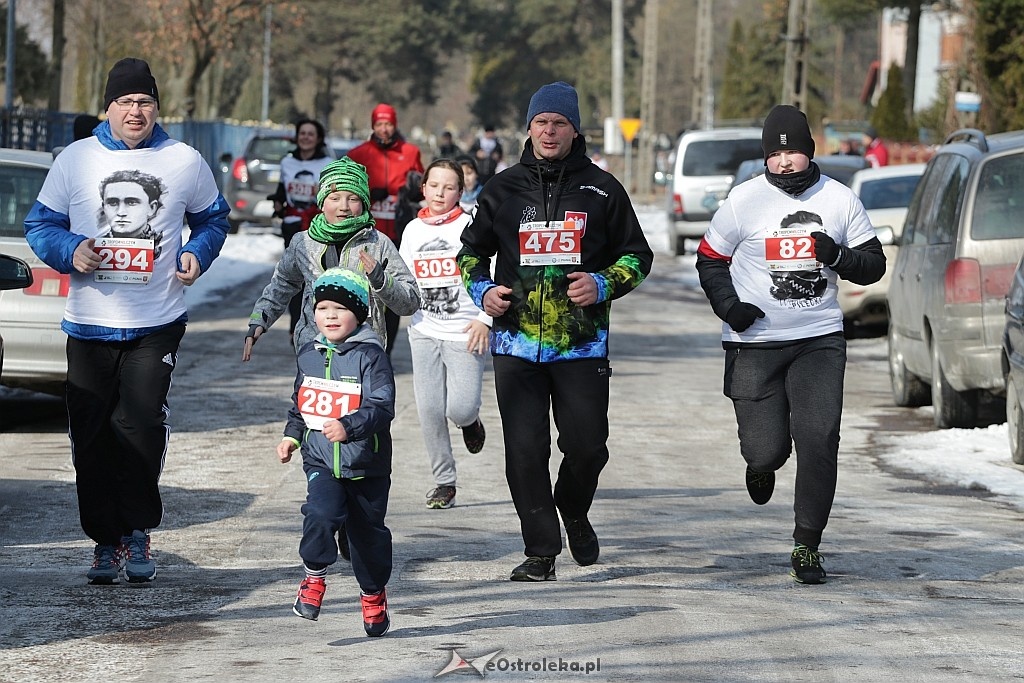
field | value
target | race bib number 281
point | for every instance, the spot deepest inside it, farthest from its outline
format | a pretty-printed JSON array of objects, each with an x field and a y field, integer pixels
[{"x": 321, "y": 400}]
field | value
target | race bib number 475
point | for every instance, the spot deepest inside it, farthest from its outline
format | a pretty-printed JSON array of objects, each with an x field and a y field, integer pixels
[
  {"x": 321, "y": 400},
  {"x": 124, "y": 260},
  {"x": 555, "y": 243},
  {"x": 790, "y": 249}
]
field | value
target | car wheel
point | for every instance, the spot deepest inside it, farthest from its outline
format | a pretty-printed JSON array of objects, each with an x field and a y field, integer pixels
[
  {"x": 1014, "y": 420},
  {"x": 680, "y": 245},
  {"x": 952, "y": 408},
  {"x": 233, "y": 226},
  {"x": 908, "y": 390}
]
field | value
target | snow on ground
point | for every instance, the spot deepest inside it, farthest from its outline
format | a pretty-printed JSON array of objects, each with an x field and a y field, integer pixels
[{"x": 972, "y": 458}]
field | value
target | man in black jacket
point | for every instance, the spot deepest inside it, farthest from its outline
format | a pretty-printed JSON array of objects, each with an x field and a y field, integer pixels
[{"x": 567, "y": 242}]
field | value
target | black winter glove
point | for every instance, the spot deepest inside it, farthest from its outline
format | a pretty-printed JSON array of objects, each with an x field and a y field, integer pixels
[
  {"x": 376, "y": 276},
  {"x": 742, "y": 315},
  {"x": 825, "y": 248},
  {"x": 378, "y": 194}
]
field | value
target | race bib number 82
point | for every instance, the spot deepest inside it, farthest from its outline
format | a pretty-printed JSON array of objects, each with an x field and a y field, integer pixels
[{"x": 789, "y": 249}]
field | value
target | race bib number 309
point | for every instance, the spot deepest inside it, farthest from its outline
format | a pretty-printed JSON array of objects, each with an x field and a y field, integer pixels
[
  {"x": 321, "y": 400},
  {"x": 790, "y": 249},
  {"x": 124, "y": 260},
  {"x": 555, "y": 243}
]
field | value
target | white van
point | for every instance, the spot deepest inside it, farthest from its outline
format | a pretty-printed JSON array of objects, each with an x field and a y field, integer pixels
[{"x": 703, "y": 168}]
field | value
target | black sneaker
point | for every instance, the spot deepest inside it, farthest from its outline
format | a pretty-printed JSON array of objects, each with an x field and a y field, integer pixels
[
  {"x": 760, "y": 485},
  {"x": 807, "y": 565},
  {"x": 441, "y": 497},
  {"x": 474, "y": 435},
  {"x": 581, "y": 539},
  {"x": 535, "y": 569},
  {"x": 343, "y": 550}
]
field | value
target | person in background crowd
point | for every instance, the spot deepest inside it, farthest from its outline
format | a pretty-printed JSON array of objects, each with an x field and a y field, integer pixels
[
  {"x": 389, "y": 160},
  {"x": 487, "y": 151},
  {"x": 125, "y": 317},
  {"x": 769, "y": 264},
  {"x": 874, "y": 149},
  {"x": 295, "y": 197},
  {"x": 447, "y": 149},
  {"x": 567, "y": 242},
  {"x": 449, "y": 334},
  {"x": 472, "y": 186}
]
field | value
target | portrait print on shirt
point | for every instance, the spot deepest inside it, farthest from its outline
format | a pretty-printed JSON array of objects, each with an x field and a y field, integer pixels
[
  {"x": 129, "y": 201},
  {"x": 439, "y": 291},
  {"x": 799, "y": 288}
]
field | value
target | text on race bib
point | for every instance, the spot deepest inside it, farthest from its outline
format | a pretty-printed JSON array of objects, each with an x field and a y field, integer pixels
[
  {"x": 320, "y": 400},
  {"x": 790, "y": 249},
  {"x": 124, "y": 260},
  {"x": 554, "y": 243},
  {"x": 434, "y": 269}
]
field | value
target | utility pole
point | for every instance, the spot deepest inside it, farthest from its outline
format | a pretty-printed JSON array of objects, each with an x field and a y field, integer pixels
[
  {"x": 794, "y": 72},
  {"x": 57, "y": 70},
  {"x": 9, "y": 56},
  {"x": 265, "y": 106},
  {"x": 702, "y": 108},
  {"x": 648, "y": 98},
  {"x": 613, "y": 139}
]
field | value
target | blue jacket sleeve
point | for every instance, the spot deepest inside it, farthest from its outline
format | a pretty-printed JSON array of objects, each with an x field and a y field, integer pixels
[
  {"x": 49, "y": 234},
  {"x": 209, "y": 230}
]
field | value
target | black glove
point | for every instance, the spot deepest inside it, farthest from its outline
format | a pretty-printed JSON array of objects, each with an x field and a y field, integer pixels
[
  {"x": 825, "y": 248},
  {"x": 742, "y": 315},
  {"x": 376, "y": 276},
  {"x": 378, "y": 194}
]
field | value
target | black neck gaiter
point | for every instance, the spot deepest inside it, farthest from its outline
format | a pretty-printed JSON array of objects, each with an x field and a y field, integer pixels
[{"x": 795, "y": 183}]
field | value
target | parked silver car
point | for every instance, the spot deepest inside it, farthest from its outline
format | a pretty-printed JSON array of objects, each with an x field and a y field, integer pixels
[
  {"x": 254, "y": 175},
  {"x": 963, "y": 236},
  {"x": 35, "y": 346}
]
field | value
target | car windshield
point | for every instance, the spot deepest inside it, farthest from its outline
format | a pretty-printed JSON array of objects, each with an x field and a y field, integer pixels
[
  {"x": 19, "y": 187},
  {"x": 999, "y": 206},
  {"x": 718, "y": 157},
  {"x": 271, "y": 149},
  {"x": 888, "y": 193}
]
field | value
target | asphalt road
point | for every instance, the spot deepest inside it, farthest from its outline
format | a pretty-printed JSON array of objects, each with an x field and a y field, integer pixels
[{"x": 926, "y": 582}]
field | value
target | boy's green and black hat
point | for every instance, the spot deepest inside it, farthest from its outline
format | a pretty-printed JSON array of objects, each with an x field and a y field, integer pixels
[{"x": 346, "y": 287}]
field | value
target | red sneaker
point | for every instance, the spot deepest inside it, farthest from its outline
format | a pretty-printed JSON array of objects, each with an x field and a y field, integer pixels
[
  {"x": 310, "y": 597},
  {"x": 376, "y": 620}
]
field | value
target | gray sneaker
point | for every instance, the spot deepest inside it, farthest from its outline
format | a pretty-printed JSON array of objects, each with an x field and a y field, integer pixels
[
  {"x": 106, "y": 565},
  {"x": 139, "y": 566}
]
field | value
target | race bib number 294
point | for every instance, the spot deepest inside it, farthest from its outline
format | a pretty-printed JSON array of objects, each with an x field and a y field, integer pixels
[{"x": 124, "y": 260}]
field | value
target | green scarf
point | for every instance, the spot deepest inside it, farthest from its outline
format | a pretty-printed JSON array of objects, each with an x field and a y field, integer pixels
[{"x": 326, "y": 233}]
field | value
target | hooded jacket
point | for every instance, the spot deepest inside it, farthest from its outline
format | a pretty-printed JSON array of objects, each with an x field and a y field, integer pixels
[
  {"x": 388, "y": 167},
  {"x": 360, "y": 358},
  {"x": 542, "y": 325}
]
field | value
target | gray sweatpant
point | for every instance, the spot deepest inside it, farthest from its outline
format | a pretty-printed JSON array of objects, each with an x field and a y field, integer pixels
[{"x": 446, "y": 379}]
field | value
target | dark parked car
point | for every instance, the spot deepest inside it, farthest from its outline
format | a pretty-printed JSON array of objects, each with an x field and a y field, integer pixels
[
  {"x": 254, "y": 175},
  {"x": 962, "y": 239},
  {"x": 14, "y": 274}
]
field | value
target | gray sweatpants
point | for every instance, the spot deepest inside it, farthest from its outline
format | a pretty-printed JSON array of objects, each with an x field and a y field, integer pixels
[{"x": 446, "y": 379}]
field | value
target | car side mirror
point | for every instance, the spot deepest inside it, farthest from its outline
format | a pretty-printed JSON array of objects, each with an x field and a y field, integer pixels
[
  {"x": 885, "y": 235},
  {"x": 14, "y": 273}
]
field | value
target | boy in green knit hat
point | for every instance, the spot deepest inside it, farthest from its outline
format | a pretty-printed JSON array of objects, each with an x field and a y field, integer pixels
[{"x": 344, "y": 235}]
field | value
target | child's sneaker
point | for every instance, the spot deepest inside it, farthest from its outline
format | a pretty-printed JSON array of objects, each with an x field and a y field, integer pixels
[
  {"x": 376, "y": 620},
  {"x": 310, "y": 597},
  {"x": 139, "y": 566},
  {"x": 106, "y": 565},
  {"x": 806, "y": 563},
  {"x": 441, "y": 497}
]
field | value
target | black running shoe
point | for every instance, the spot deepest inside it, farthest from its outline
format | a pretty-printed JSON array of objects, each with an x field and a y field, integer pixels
[
  {"x": 760, "y": 485},
  {"x": 343, "y": 550},
  {"x": 535, "y": 569},
  {"x": 807, "y": 565},
  {"x": 441, "y": 497},
  {"x": 474, "y": 435},
  {"x": 581, "y": 539}
]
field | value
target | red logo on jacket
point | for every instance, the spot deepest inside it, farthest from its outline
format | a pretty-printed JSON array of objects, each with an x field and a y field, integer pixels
[{"x": 579, "y": 218}]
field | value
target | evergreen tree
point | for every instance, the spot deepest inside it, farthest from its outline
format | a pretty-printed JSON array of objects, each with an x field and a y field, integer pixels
[
  {"x": 889, "y": 117},
  {"x": 999, "y": 63},
  {"x": 31, "y": 68},
  {"x": 732, "y": 102}
]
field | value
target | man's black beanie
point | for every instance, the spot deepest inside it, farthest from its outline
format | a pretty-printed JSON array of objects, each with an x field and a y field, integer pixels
[
  {"x": 130, "y": 76},
  {"x": 786, "y": 128}
]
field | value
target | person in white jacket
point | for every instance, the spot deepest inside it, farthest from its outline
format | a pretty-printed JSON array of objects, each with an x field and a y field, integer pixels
[{"x": 448, "y": 335}]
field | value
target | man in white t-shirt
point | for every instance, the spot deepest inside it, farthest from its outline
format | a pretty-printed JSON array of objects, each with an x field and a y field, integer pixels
[
  {"x": 125, "y": 314},
  {"x": 769, "y": 265}
]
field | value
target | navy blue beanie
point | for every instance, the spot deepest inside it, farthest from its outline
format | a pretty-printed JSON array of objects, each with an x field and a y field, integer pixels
[{"x": 557, "y": 98}]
